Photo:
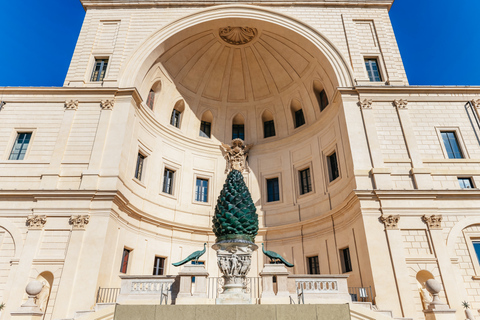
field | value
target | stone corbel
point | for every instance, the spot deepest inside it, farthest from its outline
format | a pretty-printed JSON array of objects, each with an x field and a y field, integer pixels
[
  {"x": 36, "y": 222},
  {"x": 433, "y": 221},
  {"x": 365, "y": 103},
  {"x": 400, "y": 104},
  {"x": 71, "y": 105},
  {"x": 79, "y": 221},
  {"x": 391, "y": 221},
  {"x": 107, "y": 104}
]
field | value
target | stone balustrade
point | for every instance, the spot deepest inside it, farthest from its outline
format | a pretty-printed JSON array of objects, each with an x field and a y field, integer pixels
[
  {"x": 316, "y": 288},
  {"x": 146, "y": 289}
]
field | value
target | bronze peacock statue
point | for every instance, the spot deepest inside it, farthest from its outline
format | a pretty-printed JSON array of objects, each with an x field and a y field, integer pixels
[
  {"x": 275, "y": 257},
  {"x": 193, "y": 256}
]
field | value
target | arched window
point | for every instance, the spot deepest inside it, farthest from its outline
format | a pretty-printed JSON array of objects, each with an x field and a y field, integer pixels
[
  {"x": 238, "y": 127},
  {"x": 154, "y": 91},
  {"x": 297, "y": 113},
  {"x": 320, "y": 94},
  {"x": 268, "y": 124},
  {"x": 176, "y": 113},
  {"x": 206, "y": 125}
]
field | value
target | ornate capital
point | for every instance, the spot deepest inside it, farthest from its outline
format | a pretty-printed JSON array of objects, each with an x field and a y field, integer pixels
[
  {"x": 2, "y": 103},
  {"x": 236, "y": 155},
  {"x": 476, "y": 103},
  {"x": 107, "y": 104},
  {"x": 365, "y": 103},
  {"x": 80, "y": 221},
  {"x": 433, "y": 221},
  {"x": 400, "y": 104},
  {"x": 71, "y": 105},
  {"x": 237, "y": 35},
  {"x": 391, "y": 221},
  {"x": 35, "y": 221}
]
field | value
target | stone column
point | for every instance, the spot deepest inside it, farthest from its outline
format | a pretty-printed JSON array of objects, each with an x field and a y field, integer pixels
[
  {"x": 185, "y": 295},
  {"x": 268, "y": 295}
]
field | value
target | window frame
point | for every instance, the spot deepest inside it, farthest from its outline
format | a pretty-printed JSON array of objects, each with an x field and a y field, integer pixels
[
  {"x": 460, "y": 141},
  {"x": 329, "y": 166},
  {"x": 300, "y": 179},
  {"x": 172, "y": 181},
  {"x": 264, "y": 129},
  {"x": 322, "y": 98},
  {"x": 178, "y": 116},
  {"x": 379, "y": 69},
  {"x": 200, "y": 130},
  {"x": 164, "y": 265},
  {"x": 142, "y": 171},
  {"x": 267, "y": 190},
  {"x": 123, "y": 262},
  {"x": 343, "y": 262},
  {"x": 309, "y": 270},
  {"x": 93, "y": 66},
  {"x": 239, "y": 133},
  {"x": 295, "y": 121},
  {"x": 15, "y": 134},
  {"x": 470, "y": 237},
  {"x": 203, "y": 176},
  {"x": 472, "y": 183},
  {"x": 151, "y": 100}
]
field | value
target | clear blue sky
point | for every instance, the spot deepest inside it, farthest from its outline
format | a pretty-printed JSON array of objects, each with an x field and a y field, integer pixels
[{"x": 439, "y": 40}]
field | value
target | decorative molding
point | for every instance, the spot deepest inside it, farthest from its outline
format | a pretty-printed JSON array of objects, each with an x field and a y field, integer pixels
[
  {"x": 35, "y": 221},
  {"x": 107, "y": 104},
  {"x": 476, "y": 103},
  {"x": 79, "y": 221},
  {"x": 391, "y": 221},
  {"x": 237, "y": 35},
  {"x": 433, "y": 221},
  {"x": 400, "y": 104},
  {"x": 365, "y": 103},
  {"x": 71, "y": 105}
]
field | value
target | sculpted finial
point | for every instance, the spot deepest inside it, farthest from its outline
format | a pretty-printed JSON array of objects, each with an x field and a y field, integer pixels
[{"x": 236, "y": 155}]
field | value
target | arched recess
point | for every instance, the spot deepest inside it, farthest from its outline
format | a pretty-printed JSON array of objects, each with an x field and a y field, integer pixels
[
  {"x": 456, "y": 231},
  {"x": 15, "y": 234},
  {"x": 422, "y": 277},
  {"x": 176, "y": 116},
  {"x": 43, "y": 297},
  {"x": 268, "y": 124},
  {"x": 320, "y": 95},
  {"x": 297, "y": 113},
  {"x": 238, "y": 127},
  {"x": 206, "y": 124},
  {"x": 7, "y": 253},
  {"x": 145, "y": 55},
  {"x": 153, "y": 94}
]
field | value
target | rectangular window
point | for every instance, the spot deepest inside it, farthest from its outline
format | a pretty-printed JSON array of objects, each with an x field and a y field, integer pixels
[
  {"x": 268, "y": 129},
  {"x": 323, "y": 100},
  {"x": 476, "y": 246},
  {"x": 151, "y": 99},
  {"x": 175, "y": 120},
  {"x": 332, "y": 166},
  {"x": 299, "y": 118},
  {"x": 125, "y": 256},
  {"x": 159, "y": 266},
  {"x": 313, "y": 266},
  {"x": 99, "y": 69},
  {"x": 273, "y": 190},
  {"x": 451, "y": 145},
  {"x": 21, "y": 145},
  {"x": 305, "y": 181},
  {"x": 201, "y": 190},
  {"x": 168, "y": 176},
  {"x": 238, "y": 131},
  {"x": 205, "y": 128},
  {"x": 139, "y": 166},
  {"x": 465, "y": 183},
  {"x": 372, "y": 70},
  {"x": 346, "y": 262}
]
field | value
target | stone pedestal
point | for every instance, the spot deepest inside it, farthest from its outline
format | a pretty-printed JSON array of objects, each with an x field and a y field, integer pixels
[
  {"x": 445, "y": 314},
  {"x": 185, "y": 294},
  {"x": 437, "y": 310},
  {"x": 234, "y": 258},
  {"x": 268, "y": 295},
  {"x": 29, "y": 310}
]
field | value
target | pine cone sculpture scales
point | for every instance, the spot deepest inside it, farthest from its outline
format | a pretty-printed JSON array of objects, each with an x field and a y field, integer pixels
[{"x": 235, "y": 214}]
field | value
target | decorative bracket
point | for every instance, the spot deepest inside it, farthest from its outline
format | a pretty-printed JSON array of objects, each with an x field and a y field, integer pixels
[
  {"x": 79, "y": 221},
  {"x": 365, "y": 103},
  {"x": 71, "y": 105},
  {"x": 107, "y": 104},
  {"x": 400, "y": 104},
  {"x": 433, "y": 221},
  {"x": 391, "y": 221},
  {"x": 35, "y": 222}
]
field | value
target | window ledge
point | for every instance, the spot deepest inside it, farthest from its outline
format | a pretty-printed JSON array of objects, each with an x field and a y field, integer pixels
[
  {"x": 139, "y": 182},
  {"x": 201, "y": 203},
  {"x": 168, "y": 195}
]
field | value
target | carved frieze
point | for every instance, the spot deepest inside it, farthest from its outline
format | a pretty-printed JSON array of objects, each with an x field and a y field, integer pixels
[
  {"x": 107, "y": 104},
  {"x": 433, "y": 221},
  {"x": 391, "y": 221},
  {"x": 71, "y": 104},
  {"x": 400, "y": 104},
  {"x": 236, "y": 155},
  {"x": 238, "y": 35},
  {"x": 365, "y": 103},
  {"x": 36, "y": 221},
  {"x": 79, "y": 221}
]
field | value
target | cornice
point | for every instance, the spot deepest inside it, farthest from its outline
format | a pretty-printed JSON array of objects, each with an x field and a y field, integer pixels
[
  {"x": 88, "y": 4},
  {"x": 416, "y": 90},
  {"x": 431, "y": 194}
]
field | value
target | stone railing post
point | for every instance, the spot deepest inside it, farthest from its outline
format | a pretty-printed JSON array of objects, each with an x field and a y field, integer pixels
[
  {"x": 268, "y": 295},
  {"x": 185, "y": 295}
]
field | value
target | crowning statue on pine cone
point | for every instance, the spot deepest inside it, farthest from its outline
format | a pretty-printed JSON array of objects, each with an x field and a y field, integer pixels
[{"x": 235, "y": 224}]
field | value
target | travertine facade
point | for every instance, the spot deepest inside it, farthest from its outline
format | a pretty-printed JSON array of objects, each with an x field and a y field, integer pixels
[{"x": 77, "y": 199}]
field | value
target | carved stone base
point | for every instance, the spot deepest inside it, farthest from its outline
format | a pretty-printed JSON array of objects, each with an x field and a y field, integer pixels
[{"x": 234, "y": 258}]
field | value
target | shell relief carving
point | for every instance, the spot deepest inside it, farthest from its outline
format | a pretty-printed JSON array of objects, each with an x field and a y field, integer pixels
[{"x": 238, "y": 35}]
